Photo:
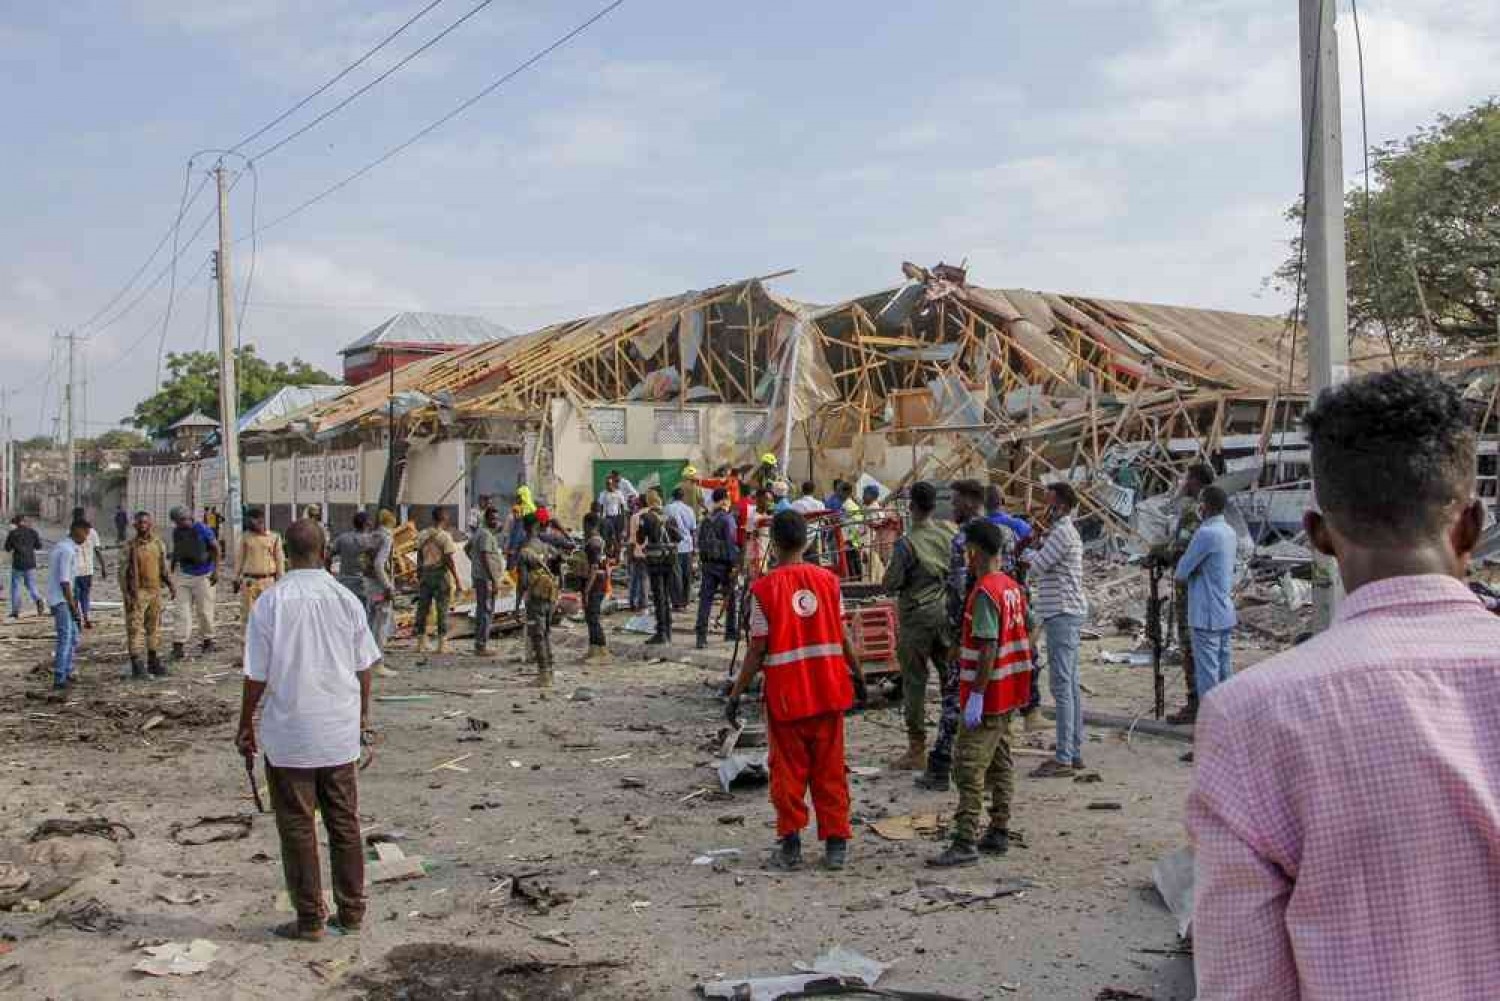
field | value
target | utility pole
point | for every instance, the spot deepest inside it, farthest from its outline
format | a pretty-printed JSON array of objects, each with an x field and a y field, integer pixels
[
  {"x": 7, "y": 473},
  {"x": 69, "y": 425},
  {"x": 229, "y": 436},
  {"x": 1327, "y": 302}
]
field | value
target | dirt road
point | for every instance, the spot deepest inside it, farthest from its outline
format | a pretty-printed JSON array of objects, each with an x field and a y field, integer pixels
[{"x": 594, "y": 799}]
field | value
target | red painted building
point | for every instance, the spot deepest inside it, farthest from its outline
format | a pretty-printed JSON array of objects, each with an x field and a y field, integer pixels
[{"x": 409, "y": 337}]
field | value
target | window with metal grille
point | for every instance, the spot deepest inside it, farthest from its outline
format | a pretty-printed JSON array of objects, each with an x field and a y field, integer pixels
[
  {"x": 749, "y": 427},
  {"x": 676, "y": 427},
  {"x": 608, "y": 423}
]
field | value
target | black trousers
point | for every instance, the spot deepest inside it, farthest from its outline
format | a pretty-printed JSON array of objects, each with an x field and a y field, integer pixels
[
  {"x": 661, "y": 598},
  {"x": 717, "y": 577},
  {"x": 593, "y": 609}
]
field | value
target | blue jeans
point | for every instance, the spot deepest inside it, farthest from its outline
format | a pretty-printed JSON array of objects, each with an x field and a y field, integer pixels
[
  {"x": 637, "y": 585},
  {"x": 16, "y": 578},
  {"x": 1062, "y": 670},
  {"x": 83, "y": 589},
  {"x": 67, "y": 642},
  {"x": 1211, "y": 653}
]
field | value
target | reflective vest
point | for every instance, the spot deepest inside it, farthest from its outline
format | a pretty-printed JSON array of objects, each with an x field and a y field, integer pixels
[
  {"x": 1010, "y": 679},
  {"x": 806, "y": 674}
]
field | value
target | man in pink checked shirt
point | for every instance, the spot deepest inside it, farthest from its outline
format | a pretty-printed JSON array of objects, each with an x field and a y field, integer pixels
[{"x": 1346, "y": 804}]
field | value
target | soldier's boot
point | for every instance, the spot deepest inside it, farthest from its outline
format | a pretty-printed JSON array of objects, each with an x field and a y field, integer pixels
[
  {"x": 137, "y": 668},
  {"x": 421, "y": 642},
  {"x": 207, "y": 646},
  {"x": 154, "y": 665},
  {"x": 442, "y": 646},
  {"x": 179, "y": 651},
  {"x": 936, "y": 778},
  {"x": 914, "y": 758}
]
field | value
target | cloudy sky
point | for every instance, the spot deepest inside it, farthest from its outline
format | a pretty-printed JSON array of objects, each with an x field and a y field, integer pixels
[{"x": 1140, "y": 149}]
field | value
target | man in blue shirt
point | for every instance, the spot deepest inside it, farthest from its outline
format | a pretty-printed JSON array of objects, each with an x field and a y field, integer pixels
[
  {"x": 195, "y": 557},
  {"x": 1208, "y": 570}
]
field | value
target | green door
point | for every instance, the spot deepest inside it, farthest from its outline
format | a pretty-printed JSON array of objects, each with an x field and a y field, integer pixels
[{"x": 663, "y": 474}]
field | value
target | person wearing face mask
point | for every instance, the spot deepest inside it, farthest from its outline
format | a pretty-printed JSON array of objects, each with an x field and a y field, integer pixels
[{"x": 1207, "y": 568}]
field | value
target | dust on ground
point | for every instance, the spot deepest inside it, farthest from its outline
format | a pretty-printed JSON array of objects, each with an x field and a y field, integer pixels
[{"x": 600, "y": 790}]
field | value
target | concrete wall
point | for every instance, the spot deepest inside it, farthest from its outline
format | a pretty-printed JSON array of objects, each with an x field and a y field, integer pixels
[{"x": 720, "y": 430}]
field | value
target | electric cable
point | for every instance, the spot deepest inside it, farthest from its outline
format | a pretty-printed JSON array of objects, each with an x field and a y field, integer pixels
[
  {"x": 388, "y": 39},
  {"x": 1372, "y": 268},
  {"x": 371, "y": 84}
]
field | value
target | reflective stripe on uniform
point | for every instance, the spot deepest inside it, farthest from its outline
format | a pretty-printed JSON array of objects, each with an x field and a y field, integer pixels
[
  {"x": 803, "y": 653},
  {"x": 972, "y": 674},
  {"x": 1017, "y": 646}
]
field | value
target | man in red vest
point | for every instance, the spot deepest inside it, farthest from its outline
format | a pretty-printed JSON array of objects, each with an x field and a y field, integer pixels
[
  {"x": 994, "y": 680},
  {"x": 812, "y": 677}
]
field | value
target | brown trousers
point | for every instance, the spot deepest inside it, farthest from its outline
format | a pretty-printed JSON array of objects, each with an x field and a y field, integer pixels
[{"x": 295, "y": 794}]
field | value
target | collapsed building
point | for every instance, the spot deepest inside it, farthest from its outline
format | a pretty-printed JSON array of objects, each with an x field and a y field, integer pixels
[{"x": 932, "y": 378}]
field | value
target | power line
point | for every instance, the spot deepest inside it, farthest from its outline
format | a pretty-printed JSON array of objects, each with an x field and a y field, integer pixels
[
  {"x": 184, "y": 204},
  {"x": 373, "y": 83},
  {"x": 535, "y": 58},
  {"x": 239, "y": 329},
  {"x": 388, "y": 39},
  {"x": 1372, "y": 271}
]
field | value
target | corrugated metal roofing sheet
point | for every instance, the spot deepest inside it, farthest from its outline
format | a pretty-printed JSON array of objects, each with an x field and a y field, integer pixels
[{"x": 431, "y": 328}]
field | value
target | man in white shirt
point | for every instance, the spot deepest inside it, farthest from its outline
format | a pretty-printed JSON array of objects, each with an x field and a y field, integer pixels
[
  {"x": 61, "y": 569},
  {"x": 809, "y": 502},
  {"x": 90, "y": 559},
  {"x": 613, "y": 509},
  {"x": 685, "y": 520},
  {"x": 308, "y": 654},
  {"x": 1057, "y": 595}
]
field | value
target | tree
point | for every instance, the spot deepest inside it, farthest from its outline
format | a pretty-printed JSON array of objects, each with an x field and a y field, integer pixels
[
  {"x": 193, "y": 384},
  {"x": 36, "y": 443},
  {"x": 1431, "y": 274},
  {"x": 118, "y": 438}
]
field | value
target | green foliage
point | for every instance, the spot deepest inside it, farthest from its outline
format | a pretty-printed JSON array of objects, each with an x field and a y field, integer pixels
[
  {"x": 1435, "y": 210},
  {"x": 119, "y": 438},
  {"x": 193, "y": 384},
  {"x": 36, "y": 443}
]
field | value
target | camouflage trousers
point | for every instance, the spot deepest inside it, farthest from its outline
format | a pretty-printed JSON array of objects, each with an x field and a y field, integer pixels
[
  {"x": 539, "y": 636},
  {"x": 1184, "y": 639},
  {"x": 940, "y": 758},
  {"x": 983, "y": 766}
]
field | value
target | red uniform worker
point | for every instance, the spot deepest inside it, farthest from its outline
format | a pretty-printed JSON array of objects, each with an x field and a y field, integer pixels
[{"x": 812, "y": 676}]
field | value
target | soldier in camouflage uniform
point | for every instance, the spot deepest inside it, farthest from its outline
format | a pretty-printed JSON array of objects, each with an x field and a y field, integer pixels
[
  {"x": 541, "y": 589},
  {"x": 968, "y": 502},
  {"x": 1198, "y": 476},
  {"x": 918, "y": 576}
]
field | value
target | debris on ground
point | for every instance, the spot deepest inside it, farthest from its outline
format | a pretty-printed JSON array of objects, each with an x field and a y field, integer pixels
[
  {"x": 98, "y": 826},
  {"x": 177, "y": 959},
  {"x": 743, "y": 767},
  {"x": 716, "y": 856},
  {"x": 529, "y": 889},
  {"x": 1173, "y": 877},
  {"x": 429, "y": 971},
  {"x": 40, "y": 870},
  {"x": 109, "y": 719},
  {"x": 392, "y": 865},
  {"x": 89, "y": 915},
  {"x": 908, "y": 826},
  {"x": 927, "y": 896},
  {"x": 837, "y": 971},
  {"x": 207, "y": 830}
]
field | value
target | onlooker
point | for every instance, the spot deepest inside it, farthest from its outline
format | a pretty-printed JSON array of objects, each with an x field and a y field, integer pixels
[
  {"x": 437, "y": 579},
  {"x": 195, "y": 557},
  {"x": 917, "y": 576},
  {"x": 614, "y": 510},
  {"x": 854, "y": 530},
  {"x": 692, "y": 490},
  {"x": 685, "y": 520},
  {"x": 719, "y": 554},
  {"x": 1208, "y": 570},
  {"x": 626, "y": 488},
  {"x": 595, "y": 584},
  {"x": 636, "y": 560},
  {"x": 308, "y": 654},
  {"x": 144, "y": 571},
  {"x": 812, "y": 677},
  {"x": 66, "y": 615},
  {"x": 381, "y": 584},
  {"x": 808, "y": 503},
  {"x": 541, "y": 590},
  {"x": 994, "y": 678},
  {"x": 835, "y": 500},
  {"x": 1057, "y": 588},
  {"x": 23, "y": 543},
  {"x": 1345, "y": 806},
  {"x": 1198, "y": 476},
  {"x": 122, "y": 522},
  {"x": 353, "y": 550},
  {"x": 261, "y": 561},
  {"x": 488, "y": 570},
  {"x": 90, "y": 558},
  {"x": 658, "y": 543}
]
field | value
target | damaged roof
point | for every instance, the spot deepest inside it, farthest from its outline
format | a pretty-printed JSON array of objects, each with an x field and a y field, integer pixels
[{"x": 429, "y": 330}]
